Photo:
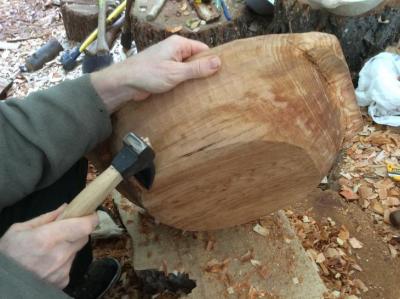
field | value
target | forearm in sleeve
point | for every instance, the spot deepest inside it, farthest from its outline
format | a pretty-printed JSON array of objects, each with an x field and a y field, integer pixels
[{"x": 44, "y": 134}]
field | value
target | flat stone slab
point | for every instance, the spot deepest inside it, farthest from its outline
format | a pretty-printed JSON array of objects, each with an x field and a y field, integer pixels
[{"x": 230, "y": 263}]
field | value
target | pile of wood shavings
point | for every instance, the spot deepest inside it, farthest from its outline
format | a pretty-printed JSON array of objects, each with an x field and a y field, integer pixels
[
  {"x": 332, "y": 249},
  {"x": 364, "y": 180}
]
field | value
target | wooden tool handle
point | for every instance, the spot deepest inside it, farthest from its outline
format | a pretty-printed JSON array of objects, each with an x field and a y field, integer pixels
[
  {"x": 93, "y": 195},
  {"x": 102, "y": 46}
]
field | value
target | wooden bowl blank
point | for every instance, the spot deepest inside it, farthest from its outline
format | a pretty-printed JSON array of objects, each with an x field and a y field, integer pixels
[{"x": 254, "y": 138}]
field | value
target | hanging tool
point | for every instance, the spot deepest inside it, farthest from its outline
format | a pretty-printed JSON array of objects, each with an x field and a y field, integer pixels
[
  {"x": 68, "y": 58},
  {"x": 134, "y": 159},
  {"x": 155, "y": 10},
  {"x": 126, "y": 36},
  {"x": 111, "y": 35},
  {"x": 102, "y": 58}
]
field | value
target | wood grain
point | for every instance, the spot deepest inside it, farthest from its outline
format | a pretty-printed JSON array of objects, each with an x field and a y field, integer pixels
[{"x": 252, "y": 139}]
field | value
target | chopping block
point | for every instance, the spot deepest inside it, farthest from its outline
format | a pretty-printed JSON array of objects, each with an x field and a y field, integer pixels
[{"x": 250, "y": 140}]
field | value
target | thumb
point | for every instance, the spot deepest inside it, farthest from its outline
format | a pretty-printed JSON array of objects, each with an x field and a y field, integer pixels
[
  {"x": 201, "y": 67},
  {"x": 42, "y": 219}
]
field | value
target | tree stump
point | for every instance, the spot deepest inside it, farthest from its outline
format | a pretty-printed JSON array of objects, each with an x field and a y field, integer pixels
[
  {"x": 175, "y": 16},
  {"x": 360, "y": 37},
  {"x": 256, "y": 137},
  {"x": 79, "y": 17}
]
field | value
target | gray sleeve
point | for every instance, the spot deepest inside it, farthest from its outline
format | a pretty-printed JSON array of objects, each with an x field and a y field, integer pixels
[
  {"x": 44, "y": 134},
  {"x": 17, "y": 283}
]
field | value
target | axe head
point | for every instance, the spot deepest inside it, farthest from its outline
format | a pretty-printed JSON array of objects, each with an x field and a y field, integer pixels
[{"x": 136, "y": 158}]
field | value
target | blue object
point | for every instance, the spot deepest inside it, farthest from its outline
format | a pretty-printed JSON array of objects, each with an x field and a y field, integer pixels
[{"x": 226, "y": 11}]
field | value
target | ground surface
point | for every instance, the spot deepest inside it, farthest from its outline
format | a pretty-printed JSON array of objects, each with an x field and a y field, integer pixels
[{"x": 344, "y": 230}]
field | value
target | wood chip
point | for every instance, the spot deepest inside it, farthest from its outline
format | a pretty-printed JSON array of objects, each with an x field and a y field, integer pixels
[
  {"x": 355, "y": 243},
  {"x": 320, "y": 258},
  {"x": 349, "y": 195},
  {"x": 247, "y": 256},
  {"x": 331, "y": 253},
  {"x": 391, "y": 202},
  {"x": 215, "y": 266},
  {"x": 382, "y": 193},
  {"x": 344, "y": 234},
  {"x": 340, "y": 241},
  {"x": 255, "y": 263},
  {"x": 173, "y": 29},
  {"x": 365, "y": 191},
  {"x": 356, "y": 267},
  {"x": 260, "y": 230},
  {"x": 378, "y": 208},
  {"x": 360, "y": 285},
  {"x": 393, "y": 251}
]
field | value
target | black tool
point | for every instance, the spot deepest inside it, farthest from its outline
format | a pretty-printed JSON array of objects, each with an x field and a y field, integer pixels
[
  {"x": 102, "y": 58},
  {"x": 126, "y": 36}
]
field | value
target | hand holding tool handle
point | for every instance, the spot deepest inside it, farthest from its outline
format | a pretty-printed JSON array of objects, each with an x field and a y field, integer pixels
[{"x": 93, "y": 195}]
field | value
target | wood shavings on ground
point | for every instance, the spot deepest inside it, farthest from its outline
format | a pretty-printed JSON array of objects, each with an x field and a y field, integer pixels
[
  {"x": 335, "y": 259},
  {"x": 364, "y": 179}
]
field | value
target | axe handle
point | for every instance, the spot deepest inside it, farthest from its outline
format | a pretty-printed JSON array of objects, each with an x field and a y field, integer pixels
[{"x": 93, "y": 195}]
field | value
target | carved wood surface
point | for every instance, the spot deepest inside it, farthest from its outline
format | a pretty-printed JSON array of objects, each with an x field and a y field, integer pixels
[{"x": 255, "y": 137}]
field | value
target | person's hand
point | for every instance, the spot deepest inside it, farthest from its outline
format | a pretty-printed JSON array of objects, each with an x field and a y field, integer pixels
[
  {"x": 46, "y": 246},
  {"x": 155, "y": 70}
]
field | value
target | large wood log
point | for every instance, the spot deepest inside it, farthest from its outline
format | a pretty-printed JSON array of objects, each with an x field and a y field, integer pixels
[
  {"x": 361, "y": 37},
  {"x": 175, "y": 15},
  {"x": 254, "y": 138}
]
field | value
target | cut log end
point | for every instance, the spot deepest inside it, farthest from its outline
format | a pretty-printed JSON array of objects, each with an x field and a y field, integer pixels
[
  {"x": 229, "y": 186},
  {"x": 79, "y": 18}
]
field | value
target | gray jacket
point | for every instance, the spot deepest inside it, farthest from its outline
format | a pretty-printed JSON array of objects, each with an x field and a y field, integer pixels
[{"x": 41, "y": 137}]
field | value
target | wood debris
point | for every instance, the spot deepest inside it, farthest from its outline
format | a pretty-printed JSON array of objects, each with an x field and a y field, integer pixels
[
  {"x": 365, "y": 163},
  {"x": 355, "y": 243},
  {"x": 260, "y": 230},
  {"x": 330, "y": 247}
]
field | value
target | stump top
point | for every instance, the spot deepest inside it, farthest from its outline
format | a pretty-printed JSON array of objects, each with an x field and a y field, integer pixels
[{"x": 175, "y": 15}]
